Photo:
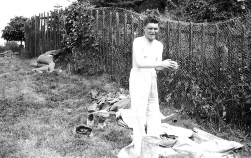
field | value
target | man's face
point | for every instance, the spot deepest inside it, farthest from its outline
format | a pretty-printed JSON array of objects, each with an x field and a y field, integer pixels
[{"x": 151, "y": 29}]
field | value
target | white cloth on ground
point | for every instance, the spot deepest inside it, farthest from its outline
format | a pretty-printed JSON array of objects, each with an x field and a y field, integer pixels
[{"x": 204, "y": 145}]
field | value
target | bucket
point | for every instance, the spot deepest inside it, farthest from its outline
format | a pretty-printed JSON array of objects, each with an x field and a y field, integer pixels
[{"x": 149, "y": 147}]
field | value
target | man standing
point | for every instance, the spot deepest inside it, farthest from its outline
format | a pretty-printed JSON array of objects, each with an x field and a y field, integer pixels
[{"x": 147, "y": 57}]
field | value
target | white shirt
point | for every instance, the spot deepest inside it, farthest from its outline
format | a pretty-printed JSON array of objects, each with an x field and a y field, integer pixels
[{"x": 146, "y": 51}]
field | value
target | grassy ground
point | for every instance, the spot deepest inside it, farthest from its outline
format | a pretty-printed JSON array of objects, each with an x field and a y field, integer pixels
[{"x": 39, "y": 112}]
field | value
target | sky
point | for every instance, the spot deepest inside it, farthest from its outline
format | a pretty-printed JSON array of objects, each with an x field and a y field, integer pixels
[{"x": 27, "y": 8}]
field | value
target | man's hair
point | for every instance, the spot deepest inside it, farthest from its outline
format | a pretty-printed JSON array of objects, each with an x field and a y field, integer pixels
[{"x": 151, "y": 19}]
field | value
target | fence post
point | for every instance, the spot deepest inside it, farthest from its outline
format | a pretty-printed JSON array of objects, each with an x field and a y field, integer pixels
[
  {"x": 104, "y": 43},
  {"x": 244, "y": 54},
  {"x": 132, "y": 35},
  {"x": 191, "y": 47},
  {"x": 60, "y": 27},
  {"x": 139, "y": 27},
  {"x": 97, "y": 36},
  {"x": 203, "y": 46},
  {"x": 111, "y": 43},
  {"x": 167, "y": 30},
  {"x": 117, "y": 48},
  {"x": 179, "y": 45},
  {"x": 125, "y": 42},
  {"x": 132, "y": 28},
  {"x": 216, "y": 52}
]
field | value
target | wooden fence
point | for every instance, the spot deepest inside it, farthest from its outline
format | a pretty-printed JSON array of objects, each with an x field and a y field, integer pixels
[
  {"x": 42, "y": 33},
  {"x": 116, "y": 29}
]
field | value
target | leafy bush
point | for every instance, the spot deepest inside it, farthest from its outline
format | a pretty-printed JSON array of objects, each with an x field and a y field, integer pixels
[
  {"x": 210, "y": 93},
  {"x": 78, "y": 36},
  {"x": 13, "y": 46},
  {"x": 1, "y": 48}
]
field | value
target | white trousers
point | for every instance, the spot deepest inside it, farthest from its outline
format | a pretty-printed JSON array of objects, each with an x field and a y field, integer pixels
[{"x": 145, "y": 105}]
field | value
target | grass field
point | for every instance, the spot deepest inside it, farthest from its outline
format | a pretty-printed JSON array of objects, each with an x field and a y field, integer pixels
[{"x": 39, "y": 112}]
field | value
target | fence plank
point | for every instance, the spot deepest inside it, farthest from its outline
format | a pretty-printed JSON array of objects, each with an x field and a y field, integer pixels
[
  {"x": 103, "y": 41},
  {"x": 112, "y": 45},
  {"x": 98, "y": 59},
  {"x": 60, "y": 24},
  {"x": 54, "y": 30},
  {"x": 36, "y": 53},
  {"x": 51, "y": 31},
  {"x": 40, "y": 33},
  {"x": 58, "y": 38},
  {"x": 44, "y": 37},
  {"x": 33, "y": 36},
  {"x": 48, "y": 32},
  {"x": 125, "y": 41}
]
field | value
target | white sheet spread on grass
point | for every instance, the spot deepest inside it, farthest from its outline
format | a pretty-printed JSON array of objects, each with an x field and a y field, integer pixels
[{"x": 203, "y": 145}]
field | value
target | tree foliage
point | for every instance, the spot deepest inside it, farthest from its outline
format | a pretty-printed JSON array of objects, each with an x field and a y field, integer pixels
[
  {"x": 14, "y": 31},
  {"x": 136, "y": 5},
  {"x": 207, "y": 10},
  {"x": 186, "y": 10}
]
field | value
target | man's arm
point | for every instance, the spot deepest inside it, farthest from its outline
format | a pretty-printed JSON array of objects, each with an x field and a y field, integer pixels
[{"x": 159, "y": 57}]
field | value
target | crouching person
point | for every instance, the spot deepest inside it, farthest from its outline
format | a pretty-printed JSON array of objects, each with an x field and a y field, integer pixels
[{"x": 47, "y": 61}]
